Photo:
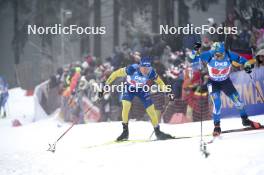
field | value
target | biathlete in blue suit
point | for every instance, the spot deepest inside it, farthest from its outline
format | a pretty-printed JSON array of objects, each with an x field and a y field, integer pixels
[{"x": 219, "y": 63}]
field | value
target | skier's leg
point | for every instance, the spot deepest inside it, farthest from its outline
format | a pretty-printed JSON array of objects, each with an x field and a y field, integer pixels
[
  {"x": 232, "y": 93},
  {"x": 216, "y": 101},
  {"x": 152, "y": 115},
  {"x": 240, "y": 106},
  {"x": 214, "y": 90},
  {"x": 125, "y": 110},
  {"x": 150, "y": 109},
  {"x": 127, "y": 97}
]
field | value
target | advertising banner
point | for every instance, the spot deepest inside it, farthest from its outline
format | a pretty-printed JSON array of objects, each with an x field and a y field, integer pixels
[{"x": 247, "y": 88}]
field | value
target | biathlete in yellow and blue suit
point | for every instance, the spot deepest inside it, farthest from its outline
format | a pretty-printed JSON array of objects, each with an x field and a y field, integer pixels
[{"x": 138, "y": 76}]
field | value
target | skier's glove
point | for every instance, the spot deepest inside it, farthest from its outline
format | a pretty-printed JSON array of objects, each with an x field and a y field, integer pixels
[
  {"x": 171, "y": 96},
  {"x": 101, "y": 93},
  {"x": 197, "y": 46},
  {"x": 248, "y": 67}
]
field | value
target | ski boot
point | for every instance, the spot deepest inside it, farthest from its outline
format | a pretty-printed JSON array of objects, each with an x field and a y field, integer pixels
[
  {"x": 217, "y": 129},
  {"x": 125, "y": 133},
  {"x": 247, "y": 122},
  {"x": 161, "y": 135}
]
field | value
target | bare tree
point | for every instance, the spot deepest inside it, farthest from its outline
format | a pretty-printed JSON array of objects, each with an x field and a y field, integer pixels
[
  {"x": 15, "y": 41},
  {"x": 155, "y": 16},
  {"x": 116, "y": 23},
  {"x": 97, "y": 23}
]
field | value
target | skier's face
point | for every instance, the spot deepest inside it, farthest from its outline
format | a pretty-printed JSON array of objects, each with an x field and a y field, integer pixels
[
  {"x": 219, "y": 55},
  {"x": 144, "y": 70}
]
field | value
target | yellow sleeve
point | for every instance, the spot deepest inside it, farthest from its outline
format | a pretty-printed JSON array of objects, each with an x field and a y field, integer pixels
[
  {"x": 251, "y": 61},
  {"x": 161, "y": 84},
  {"x": 116, "y": 74}
]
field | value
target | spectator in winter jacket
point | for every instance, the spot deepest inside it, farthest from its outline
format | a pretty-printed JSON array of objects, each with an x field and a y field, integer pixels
[
  {"x": 72, "y": 81},
  {"x": 260, "y": 58}
]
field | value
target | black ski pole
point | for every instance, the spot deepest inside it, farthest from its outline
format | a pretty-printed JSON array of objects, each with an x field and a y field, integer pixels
[
  {"x": 253, "y": 82},
  {"x": 162, "y": 115},
  {"x": 203, "y": 146},
  {"x": 52, "y": 147}
]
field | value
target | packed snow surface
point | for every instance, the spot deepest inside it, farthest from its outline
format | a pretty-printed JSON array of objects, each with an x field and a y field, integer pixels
[{"x": 83, "y": 150}]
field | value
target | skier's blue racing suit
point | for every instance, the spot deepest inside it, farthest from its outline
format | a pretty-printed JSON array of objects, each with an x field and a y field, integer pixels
[{"x": 219, "y": 70}]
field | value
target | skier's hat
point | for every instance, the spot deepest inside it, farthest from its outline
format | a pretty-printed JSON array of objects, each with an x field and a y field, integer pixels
[
  {"x": 145, "y": 62},
  {"x": 218, "y": 47}
]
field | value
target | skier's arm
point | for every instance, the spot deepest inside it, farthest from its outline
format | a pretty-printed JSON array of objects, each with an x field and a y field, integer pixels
[
  {"x": 239, "y": 59},
  {"x": 160, "y": 83},
  {"x": 116, "y": 74},
  {"x": 197, "y": 55},
  {"x": 156, "y": 78},
  {"x": 163, "y": 87},
  {"x": 204, "y": 56}
]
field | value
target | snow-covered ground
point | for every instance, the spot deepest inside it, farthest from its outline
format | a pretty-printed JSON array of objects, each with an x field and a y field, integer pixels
[
  {"x": 19, "y": 106},
  {"x": 23, "y": 150}
]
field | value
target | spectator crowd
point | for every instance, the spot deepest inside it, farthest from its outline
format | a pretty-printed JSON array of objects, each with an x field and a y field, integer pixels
[{"x": 171, "y": 61}]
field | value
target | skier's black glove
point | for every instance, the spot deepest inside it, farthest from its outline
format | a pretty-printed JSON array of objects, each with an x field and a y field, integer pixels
[
  {"x": 197, "y": 46},
  {"x": 248, "y": 70},
  {"x": 101, "y": 93},
  {"x": 248, "y": 67},
  {"x": 171, "y": 96}
]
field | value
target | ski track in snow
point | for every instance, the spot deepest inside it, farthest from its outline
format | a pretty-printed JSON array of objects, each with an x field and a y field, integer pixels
[{"x": 23, "y": 149}]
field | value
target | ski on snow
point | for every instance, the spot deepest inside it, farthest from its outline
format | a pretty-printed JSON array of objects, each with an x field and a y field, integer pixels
[
  {"x": 234, "y": 131},
  {"x": 129, "y": 142}
]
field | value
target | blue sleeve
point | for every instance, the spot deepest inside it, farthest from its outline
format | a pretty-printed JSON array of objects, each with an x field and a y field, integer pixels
[
  {"x": 153, "y": 75},
  {"x": 131, "y": 69},
  {"x": 235, "y": 57},
  {"x": 204, "y": 56}
]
